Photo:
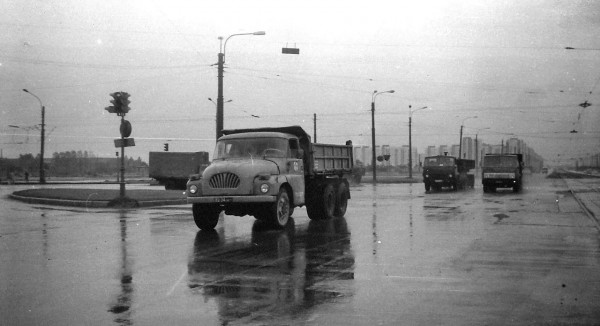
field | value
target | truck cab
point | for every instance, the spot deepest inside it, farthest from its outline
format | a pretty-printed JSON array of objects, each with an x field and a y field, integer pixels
[
  {"x": 502, "y": 171},
  {"x": 440, "y": 171},
  {"x": 447, "y": 171}
]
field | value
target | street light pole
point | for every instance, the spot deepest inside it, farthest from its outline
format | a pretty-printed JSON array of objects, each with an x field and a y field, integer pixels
[
  {"x": 220, "y": 63},
  {"x": 42, "y": 137},
  {"x": 410, "y": 112},
  {"x": 461, "y": 135},
  {"x": 374, "y": 154}
]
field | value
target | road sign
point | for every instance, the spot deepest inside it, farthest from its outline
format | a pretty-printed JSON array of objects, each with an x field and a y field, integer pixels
[
  {"x": 126, "y": 142},
  {"x": 290, "y": 50},
  {"x": 125, "y": 128}
]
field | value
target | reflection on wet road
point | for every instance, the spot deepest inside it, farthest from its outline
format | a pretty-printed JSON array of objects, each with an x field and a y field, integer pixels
[{"x": 276, "y": 273}]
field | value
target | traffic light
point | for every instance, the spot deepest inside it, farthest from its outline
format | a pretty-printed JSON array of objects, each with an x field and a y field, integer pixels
[
  {"x": 166, "y": 147},
  {"x": 120, "y": 103}
]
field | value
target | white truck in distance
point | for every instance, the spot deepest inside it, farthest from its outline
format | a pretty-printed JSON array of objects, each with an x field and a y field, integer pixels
[{"x": 266, "y": 172}]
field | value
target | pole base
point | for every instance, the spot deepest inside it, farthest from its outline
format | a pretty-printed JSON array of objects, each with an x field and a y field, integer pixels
[{"x": 124, "y": 202}]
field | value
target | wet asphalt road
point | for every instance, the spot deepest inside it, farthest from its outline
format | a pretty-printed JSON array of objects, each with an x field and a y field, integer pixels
[{"x": 399, "y": 257}]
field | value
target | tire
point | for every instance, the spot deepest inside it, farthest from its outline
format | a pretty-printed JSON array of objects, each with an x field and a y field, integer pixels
[
  {"x": 321, "y": 203},
  {"x": 328, "y": 198},
  {"x": 206, "y": 217},
  {"x": 341, "y": 201},
  {"x": 280, "y": 210}
]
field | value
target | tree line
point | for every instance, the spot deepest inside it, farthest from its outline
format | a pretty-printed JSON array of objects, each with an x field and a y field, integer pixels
[{"x": 69, "y": 164}]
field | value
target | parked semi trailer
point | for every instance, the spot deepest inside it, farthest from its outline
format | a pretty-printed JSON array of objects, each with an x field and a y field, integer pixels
[
  {"x": 266, "y": 172},
  {"x": 173, "y": 169}
]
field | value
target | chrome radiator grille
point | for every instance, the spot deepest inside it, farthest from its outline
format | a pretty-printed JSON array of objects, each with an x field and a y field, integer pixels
[{"x": 224, "y": 180}]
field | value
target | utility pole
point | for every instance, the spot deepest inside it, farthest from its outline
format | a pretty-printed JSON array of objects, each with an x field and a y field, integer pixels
[
  {"x": 460, "y": 143},
  {"x": 409, "y": 145},
  {"x": 315, "y": 126},
  {"x": 42, "y": 137},
  {"x": 374, "y": 153},
  {"x": 220, "y": 62}
]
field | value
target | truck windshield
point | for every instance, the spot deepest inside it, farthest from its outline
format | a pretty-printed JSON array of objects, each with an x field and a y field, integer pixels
[
  {"x": 500, "y": 161},
  {"x": 439, "y": 161},
  {"x": 251, "y": 148}
]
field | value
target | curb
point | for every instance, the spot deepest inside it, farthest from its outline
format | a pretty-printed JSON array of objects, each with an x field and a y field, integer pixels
[{"x": 93, "y": 203}]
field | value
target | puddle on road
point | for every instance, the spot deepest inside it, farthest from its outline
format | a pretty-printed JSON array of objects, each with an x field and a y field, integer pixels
[{"x": 500, "y": 217}]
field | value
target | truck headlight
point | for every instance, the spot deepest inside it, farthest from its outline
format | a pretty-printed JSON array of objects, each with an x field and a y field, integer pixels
[
  {"x": 264, "y": 188},
  {"x": 450, "y": 176},
  {"x": 427, "y": 176},
  {"x": 193, "y": 189}
]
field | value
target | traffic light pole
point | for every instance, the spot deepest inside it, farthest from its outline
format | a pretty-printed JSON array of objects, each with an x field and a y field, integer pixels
[{"x": 122, "y": 181}]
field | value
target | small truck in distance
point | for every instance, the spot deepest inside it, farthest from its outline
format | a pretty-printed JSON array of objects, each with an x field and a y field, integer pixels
[
  {"x": 502, "y": 171},
  {"x": 447, "y": 171},
  {"x": 266, "y": 172}
]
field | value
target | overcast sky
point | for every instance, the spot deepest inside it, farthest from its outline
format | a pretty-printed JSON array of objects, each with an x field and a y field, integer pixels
[{"x": 502, "y": 61}]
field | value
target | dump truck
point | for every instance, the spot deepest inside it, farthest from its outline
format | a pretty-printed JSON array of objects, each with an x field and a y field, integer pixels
[
  {"x": 267, "y": 172},
  {"x": 447, "y": 171},
  {"x": 502, "y": 171},
  {"x": 173, "y": 169}
]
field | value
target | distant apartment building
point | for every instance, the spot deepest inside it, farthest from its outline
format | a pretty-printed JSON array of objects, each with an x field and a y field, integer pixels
[
  {"x": 443, "y": 149},
  {"x": 471, "y": 149},
  {"x": 431, "y": 151}
]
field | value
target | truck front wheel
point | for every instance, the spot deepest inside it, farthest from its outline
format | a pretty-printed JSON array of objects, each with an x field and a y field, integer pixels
[
  {"x": 281, "y": 210},
  {"x": 206, "y": 217}
]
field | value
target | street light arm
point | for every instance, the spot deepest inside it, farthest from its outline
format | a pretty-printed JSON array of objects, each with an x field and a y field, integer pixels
[
  {"x": 467, "y": 118},
  {"x": 375, "y": 93},
  {"x": 410, "y": 112},
  {"x": 238, "y": 34},
  {"x": 26, "y": 91}
]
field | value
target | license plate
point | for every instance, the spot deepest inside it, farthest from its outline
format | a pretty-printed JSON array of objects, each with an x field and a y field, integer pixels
[
  {"x": 223, "y": 199},
  {"x": 438, "y": 180}
]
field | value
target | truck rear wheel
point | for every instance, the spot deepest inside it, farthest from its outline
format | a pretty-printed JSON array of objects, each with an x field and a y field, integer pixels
[
  {"x": 321, "y": 203},
  {"x": 341, "y": 202},
  {"x": 206, "y": 217}
]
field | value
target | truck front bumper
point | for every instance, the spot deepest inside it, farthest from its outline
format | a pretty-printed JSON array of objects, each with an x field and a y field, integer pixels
[
  {"x": 230, "y": 199},
  {"x": 500, "y": 183}
]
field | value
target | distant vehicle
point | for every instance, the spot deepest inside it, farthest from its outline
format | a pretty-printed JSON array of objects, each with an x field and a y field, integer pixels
[
  {"x": 447, "y": 171},
  {"x": 502, "y": 171},
  {"x": 266, "y": 172},
  {"x": 173, "y": 169},
  {"x": 545, "y": 170}
]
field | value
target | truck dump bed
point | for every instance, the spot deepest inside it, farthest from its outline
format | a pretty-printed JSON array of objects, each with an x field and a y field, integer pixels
[{"x": 332, "y": 159}]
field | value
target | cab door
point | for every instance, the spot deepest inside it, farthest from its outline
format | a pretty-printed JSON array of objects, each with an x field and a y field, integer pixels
[{"x": 295, "y": 171}]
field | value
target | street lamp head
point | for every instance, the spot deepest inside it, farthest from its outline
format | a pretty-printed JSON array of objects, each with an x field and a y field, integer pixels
[
  {"x": 259, "y": 33},
  {"x": 25, "y": 90}
]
